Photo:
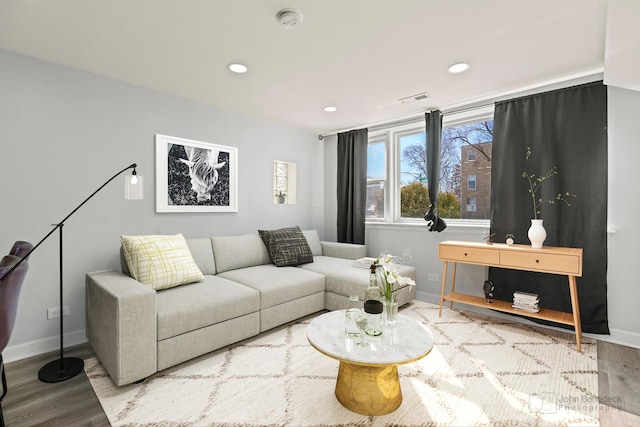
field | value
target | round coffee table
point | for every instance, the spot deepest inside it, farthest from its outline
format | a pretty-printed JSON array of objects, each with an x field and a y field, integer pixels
[{"x": 368, "y": 381}]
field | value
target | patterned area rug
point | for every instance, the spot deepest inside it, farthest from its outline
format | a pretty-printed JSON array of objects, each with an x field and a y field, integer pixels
[{"x": 482, "y": 371}]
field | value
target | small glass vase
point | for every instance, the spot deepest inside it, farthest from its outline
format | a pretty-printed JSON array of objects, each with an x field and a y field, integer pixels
[{"x": 390, "y": 312}]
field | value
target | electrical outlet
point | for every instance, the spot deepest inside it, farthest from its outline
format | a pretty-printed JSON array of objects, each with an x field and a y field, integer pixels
[
  {"x": 432, "y": 277},
  {"x": 54, "y": 312}
]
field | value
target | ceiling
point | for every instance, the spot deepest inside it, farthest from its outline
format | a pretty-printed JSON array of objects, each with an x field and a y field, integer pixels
[{"x": 361, "y": 56}]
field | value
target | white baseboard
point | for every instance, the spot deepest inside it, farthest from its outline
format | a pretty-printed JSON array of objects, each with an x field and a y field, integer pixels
[
  {"x": 42, "y": 346},
  {"x": 616, "y": 336},
  {"x": 428, "y": 297},
  {"x": 46, "y": 345}
]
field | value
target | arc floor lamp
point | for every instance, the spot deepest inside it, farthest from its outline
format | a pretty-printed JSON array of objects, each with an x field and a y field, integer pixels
[{"x": 67, "y": 367}]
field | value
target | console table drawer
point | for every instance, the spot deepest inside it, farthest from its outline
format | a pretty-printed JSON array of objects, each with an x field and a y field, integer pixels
[
  {"x": 469, "y": 255},
  {"x": 550, "y": 263}
]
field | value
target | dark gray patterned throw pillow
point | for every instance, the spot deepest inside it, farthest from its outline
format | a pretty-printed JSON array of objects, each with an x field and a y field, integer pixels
[{"x": 287, "y": 246}]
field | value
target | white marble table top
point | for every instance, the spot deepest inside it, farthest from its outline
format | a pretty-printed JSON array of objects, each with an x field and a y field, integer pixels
[{"x": 408, "y": 341}]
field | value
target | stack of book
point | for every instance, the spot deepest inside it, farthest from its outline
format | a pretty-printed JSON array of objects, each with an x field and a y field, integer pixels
[
  {"x": 364, "y": 262},
  {"x": 526, "y": 301}
]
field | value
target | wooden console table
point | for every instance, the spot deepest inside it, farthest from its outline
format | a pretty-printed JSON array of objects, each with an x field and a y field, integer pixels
[{"x": 553, "y": 260}]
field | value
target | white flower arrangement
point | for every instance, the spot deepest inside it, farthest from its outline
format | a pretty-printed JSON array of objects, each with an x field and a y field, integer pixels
[{"x": 392, "y": 282}]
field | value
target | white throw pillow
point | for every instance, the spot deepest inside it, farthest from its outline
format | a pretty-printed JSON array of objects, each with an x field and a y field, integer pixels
[{"x": 160, "y": 261}]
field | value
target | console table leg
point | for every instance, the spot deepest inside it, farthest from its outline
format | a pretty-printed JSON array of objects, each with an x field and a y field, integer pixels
[
  {"x": 453, "y": 282},
  {"x": 575, "y": 307},
  {"x": 444, "y": 283}
]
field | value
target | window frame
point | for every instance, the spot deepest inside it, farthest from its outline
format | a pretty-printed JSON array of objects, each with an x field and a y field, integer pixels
[
  {"x": 390, "y": 135},
  {"x": 474, "y": 204},
  {"x": 381, "y": 138},
  {"x": 407, "y": 130},
  {"x": 475, "y": 182}
]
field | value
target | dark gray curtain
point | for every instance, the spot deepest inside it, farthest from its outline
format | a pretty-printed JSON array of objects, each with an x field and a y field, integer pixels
[
  {"x": 433, "y": 127},
  {"x": 352, "y": 185},
  {"x": 566, "y": 129}
]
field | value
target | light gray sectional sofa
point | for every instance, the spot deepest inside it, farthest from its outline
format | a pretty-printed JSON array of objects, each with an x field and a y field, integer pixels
[{"x": 136, "y": 331}]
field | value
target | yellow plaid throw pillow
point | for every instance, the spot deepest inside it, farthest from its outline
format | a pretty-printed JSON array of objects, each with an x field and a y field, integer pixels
[{"x": 160, "y": 261}]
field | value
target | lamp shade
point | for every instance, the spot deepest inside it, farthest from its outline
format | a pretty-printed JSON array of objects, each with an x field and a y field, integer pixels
[{"x": 133, "y": 187}]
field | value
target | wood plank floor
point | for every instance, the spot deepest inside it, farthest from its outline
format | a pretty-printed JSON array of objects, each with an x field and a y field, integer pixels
[
  {"x": 619, "y": 385},
  {"x": 30, "y": 402}
]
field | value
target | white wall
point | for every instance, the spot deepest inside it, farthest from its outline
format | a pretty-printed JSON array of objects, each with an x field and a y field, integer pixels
[
  {"x": 623, "y": 293},
  {"x": 624, "y": 152},
  {"x": 64, "y": 132}
]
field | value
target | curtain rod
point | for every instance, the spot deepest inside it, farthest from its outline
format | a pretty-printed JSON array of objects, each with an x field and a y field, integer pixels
[
  {"x": 576, "y": 79},
  {"x": 464, "y": 109},
  {"x": 406, "y": 120}
]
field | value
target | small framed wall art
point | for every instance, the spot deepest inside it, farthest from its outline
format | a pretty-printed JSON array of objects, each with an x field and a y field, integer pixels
[{"x": 194, "y": 176}]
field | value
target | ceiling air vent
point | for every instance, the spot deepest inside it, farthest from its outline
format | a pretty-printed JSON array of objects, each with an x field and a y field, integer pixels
[{"x": 414, "y": 98}]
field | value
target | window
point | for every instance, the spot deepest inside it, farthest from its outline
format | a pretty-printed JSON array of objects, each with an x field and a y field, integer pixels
[
  {"x": 376, "y": 176},
  {"x": 281, "y": 170},
  {"x": 414, "y": 194},
  {"x": 397, "y": 175},
  {"x": 476, "y": 136},
  {"x": 471, "y": 204},
  {"x": 284, "y": 182},
  {"x": 471, "y": 182}
]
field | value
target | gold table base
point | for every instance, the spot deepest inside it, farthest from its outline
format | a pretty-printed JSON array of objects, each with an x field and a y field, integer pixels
[{"x": 368, "y": 389}]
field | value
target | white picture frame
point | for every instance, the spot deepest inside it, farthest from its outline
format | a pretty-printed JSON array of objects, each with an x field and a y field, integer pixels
[{"x": 185, "y": 172}]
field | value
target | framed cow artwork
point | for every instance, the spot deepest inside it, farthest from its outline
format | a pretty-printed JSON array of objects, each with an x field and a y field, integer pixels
[{"x": 193, "y": 176}]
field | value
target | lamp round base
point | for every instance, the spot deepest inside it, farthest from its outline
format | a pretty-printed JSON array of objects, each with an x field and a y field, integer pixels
[{"x": 60, "y": 369}]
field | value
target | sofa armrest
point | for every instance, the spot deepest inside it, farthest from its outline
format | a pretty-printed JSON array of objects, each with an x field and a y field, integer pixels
[
  {"x": 121, "y": 325},
  {"x": 343, "y": 250}
]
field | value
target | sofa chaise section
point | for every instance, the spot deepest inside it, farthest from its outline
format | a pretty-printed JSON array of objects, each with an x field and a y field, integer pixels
[
  {"x": 343, "y": 279},
  {"x": 334, "y": 260}
]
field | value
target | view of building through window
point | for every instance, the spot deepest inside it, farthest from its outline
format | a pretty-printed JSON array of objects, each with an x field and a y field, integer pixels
[
  {"x": 465, "y": 173},
  {"x": 478, "y": 173}
]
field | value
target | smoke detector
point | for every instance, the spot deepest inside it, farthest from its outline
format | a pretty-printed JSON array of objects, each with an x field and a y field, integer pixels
[{"x": 289, "y": 18}]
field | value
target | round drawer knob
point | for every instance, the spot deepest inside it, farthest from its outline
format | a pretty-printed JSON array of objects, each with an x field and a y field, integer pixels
[{"x": 537, "y": 261}]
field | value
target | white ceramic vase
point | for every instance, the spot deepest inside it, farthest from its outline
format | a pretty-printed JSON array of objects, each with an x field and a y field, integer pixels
[{"x": 537, "y": 234}]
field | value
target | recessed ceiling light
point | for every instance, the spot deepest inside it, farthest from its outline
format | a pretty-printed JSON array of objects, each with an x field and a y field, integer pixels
[
  {"x": 238, "y": 68},
  {"x": 330, "y": 109},
  {"x": 458, "y": 67}
]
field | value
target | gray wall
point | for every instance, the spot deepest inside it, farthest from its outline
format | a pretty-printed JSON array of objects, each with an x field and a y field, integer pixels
[
  {"x": 624, "y": 152},
  {"x": 64, "y": 132}
]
